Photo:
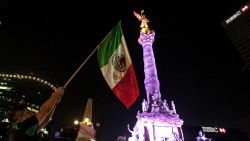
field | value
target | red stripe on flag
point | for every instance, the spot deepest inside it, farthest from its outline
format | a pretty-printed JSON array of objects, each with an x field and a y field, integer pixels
[{"x": 127, "y": 89}]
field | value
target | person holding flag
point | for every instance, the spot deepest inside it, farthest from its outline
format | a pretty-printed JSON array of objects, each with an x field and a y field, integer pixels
[{"x": 26, "y": 124}]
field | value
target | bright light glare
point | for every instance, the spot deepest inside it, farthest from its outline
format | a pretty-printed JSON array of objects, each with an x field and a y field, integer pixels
[
  {"x": 86, "y": 120},
  {"x": 5, "y": 88},
  {"x": 76, "y": 122},
  {"x": 244, "y": 8},
  {"x": 222, "y": 130}
]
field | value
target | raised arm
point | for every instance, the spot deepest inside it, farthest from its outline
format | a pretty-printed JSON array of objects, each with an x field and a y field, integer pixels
[{"x": 46, "y": 111}]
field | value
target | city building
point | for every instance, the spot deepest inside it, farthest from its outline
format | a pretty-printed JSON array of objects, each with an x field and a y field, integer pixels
[
  {"x": 16, "y": 89},
  {"x": 237, "y": 28}
]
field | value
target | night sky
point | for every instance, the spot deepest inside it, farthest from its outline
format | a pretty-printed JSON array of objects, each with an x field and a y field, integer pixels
[{"x": 198, "y": 66}]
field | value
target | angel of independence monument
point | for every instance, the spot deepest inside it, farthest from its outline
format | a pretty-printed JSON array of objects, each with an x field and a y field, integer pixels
[{"x": 158, "y": 121}]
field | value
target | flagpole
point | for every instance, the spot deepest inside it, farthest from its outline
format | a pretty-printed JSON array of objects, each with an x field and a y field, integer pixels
[{"x": 65, "y": 85}]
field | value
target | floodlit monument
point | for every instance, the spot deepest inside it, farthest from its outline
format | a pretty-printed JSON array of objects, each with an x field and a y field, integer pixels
[{"x": 158, "y": 121}]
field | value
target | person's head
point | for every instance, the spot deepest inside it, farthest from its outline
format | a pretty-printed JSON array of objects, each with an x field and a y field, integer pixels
[
  {"x": 200, "y": 133},
  {"x": 19, "y": 113}
]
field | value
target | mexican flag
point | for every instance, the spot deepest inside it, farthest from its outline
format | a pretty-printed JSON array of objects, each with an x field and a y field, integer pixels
[{"x": 116, "y": 66}]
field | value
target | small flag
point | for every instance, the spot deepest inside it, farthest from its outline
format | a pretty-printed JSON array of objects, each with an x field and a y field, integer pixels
[
  {"x": 86, "y": 130},
  {"x": 116, "y": 66}
]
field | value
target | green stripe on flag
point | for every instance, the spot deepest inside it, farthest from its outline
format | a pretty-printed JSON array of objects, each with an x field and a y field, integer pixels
[{"x": 109, "y": 45}]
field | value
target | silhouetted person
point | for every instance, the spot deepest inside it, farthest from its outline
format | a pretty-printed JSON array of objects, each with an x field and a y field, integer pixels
[
  {"x": 201, "y": 137},
  {"x": 26, "y": 124}
]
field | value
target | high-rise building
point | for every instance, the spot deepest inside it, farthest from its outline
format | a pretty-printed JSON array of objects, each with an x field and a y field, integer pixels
[
  {"x": 237, "y": 27},
  {"x": 16, "y": 89}
]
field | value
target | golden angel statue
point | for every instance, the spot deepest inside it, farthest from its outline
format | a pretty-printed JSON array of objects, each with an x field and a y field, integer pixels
[{"x": 144, "y": 21}]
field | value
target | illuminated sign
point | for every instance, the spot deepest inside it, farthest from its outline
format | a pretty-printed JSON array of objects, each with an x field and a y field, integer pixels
[
  {"x": 210, "y": 129},
  {"x": 238, "y": 13},
  {"x": 222, "y": 130},
  {"x": 244, "y": 8},
  {"x": 233, "y": 17}
]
